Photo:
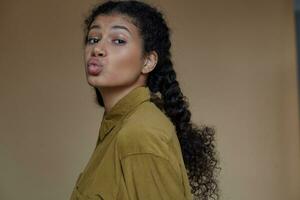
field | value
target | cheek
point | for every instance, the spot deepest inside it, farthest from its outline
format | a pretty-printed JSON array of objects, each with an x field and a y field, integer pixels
[
  {"x": 127, "y": 62},
  {"x": 86, "y": 55}
]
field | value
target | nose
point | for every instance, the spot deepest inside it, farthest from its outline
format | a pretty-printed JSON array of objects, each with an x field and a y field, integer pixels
[{"x": 98, "y": 50}]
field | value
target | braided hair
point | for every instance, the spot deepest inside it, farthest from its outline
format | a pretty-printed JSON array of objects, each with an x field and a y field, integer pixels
[{"x": 197, "y": 142}]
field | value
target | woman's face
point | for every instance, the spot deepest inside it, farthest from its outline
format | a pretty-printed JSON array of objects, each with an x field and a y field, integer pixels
[{"x": 113, "y": 52}]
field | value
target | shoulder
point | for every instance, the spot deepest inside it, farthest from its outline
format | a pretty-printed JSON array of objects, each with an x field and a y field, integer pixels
[{"x": 147, "y": 130}]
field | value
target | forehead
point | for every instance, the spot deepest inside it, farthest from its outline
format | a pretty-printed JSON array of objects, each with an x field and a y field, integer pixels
[{"x": 106, "y": 21}]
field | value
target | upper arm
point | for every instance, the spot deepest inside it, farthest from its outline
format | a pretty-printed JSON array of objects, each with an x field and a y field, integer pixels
[{"x": 150, "y": 177}]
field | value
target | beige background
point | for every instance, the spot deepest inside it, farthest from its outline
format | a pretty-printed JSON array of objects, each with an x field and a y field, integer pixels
[{"x": 235, "y": 61}]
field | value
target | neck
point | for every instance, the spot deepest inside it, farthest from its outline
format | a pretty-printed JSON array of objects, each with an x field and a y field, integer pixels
[{"x": 112, "y": 95}]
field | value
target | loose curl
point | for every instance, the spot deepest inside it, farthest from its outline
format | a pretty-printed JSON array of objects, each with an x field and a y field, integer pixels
[{"x": 197, "y": 142}]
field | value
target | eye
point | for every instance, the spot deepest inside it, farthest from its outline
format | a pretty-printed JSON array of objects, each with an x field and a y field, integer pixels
[
  {"x": 119, "y": 41},
  {"x": 92, "y": 40}
]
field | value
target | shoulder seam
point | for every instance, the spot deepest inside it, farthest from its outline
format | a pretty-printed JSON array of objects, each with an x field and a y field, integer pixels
[
  {"x": 143, "y": 153},
  {"x": 165, "y": 159}
]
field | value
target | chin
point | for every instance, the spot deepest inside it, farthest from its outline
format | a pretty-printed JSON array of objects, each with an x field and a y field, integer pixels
[
  {"x": 92, "y": 81},
  {"x": 95, "y": 82}
]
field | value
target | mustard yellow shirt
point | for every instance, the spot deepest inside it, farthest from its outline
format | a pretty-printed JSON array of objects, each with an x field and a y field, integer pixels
[{"x": 137, "y": 156}]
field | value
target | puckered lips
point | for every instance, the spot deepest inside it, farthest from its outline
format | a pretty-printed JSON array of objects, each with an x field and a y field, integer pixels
[{"x": 94, "y": 66}]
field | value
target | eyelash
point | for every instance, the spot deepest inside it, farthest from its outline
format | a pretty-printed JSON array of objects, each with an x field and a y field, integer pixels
[{"x": 89, "y": 39}]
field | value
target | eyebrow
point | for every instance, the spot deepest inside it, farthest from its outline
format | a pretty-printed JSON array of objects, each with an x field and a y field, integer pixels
[{"x": 113, "y": 27}]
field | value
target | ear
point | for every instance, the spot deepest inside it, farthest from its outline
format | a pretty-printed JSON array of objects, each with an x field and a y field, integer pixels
[{"x": 150, "y": 62}]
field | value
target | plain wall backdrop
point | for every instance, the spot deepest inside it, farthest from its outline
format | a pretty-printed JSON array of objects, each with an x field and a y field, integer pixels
[{"x": 235, "y": 61}]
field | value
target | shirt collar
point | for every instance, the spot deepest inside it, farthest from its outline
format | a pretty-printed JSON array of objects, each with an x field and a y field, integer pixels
[{"x": 126, "y": 104}]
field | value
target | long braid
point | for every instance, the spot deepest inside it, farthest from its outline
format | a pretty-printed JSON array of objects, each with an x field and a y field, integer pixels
[{"x": 197, "y": 144}]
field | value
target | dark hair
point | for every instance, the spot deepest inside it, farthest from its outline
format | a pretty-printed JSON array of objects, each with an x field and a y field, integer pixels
[{"x": 197, "y": 142}]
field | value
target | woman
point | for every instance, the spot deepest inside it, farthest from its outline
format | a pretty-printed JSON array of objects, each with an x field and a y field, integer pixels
[{"x": 147, "y": 146}]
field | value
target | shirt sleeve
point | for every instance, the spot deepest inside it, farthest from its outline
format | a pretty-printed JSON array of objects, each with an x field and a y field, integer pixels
[{"x": 151, "y": 177}]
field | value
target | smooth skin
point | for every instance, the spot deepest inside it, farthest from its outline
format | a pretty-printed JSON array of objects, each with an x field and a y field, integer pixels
[{"x": 117, "y": 44}]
